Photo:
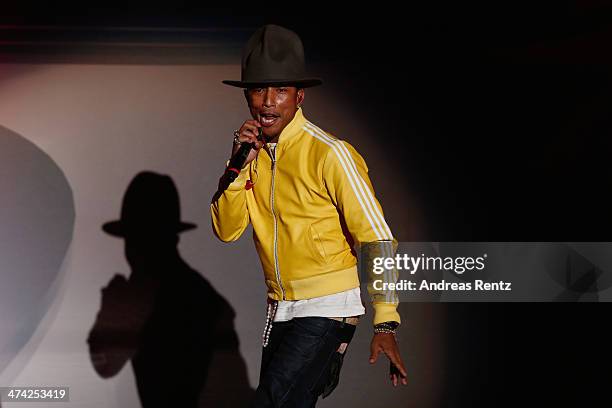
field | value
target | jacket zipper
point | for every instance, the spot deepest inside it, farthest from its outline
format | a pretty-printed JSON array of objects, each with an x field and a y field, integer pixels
[{"x": 278, "y": 278}]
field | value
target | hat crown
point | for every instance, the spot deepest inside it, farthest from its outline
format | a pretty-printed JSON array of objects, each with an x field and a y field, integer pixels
[
  {"x": 273, "y": 56},
  {"x": 273, "y": 52}
]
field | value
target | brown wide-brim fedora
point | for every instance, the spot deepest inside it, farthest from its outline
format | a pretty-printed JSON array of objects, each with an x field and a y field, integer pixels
[{"x": 274, "y": 56}]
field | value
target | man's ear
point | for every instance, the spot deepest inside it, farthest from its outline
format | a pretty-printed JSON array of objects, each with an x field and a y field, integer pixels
[{"x": 300, "y": 96}]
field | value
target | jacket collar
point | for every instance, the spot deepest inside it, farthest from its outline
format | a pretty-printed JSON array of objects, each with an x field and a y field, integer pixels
[{"x": 293, "y": 129}]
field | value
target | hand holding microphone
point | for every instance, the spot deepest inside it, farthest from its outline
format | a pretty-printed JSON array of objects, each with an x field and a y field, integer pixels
[
  {"x": 250, "y": 132},
  {"x": 247, "y": 143}
]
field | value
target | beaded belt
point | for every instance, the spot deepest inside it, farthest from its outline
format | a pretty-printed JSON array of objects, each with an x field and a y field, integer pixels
[{"x": 271, "y": 311}]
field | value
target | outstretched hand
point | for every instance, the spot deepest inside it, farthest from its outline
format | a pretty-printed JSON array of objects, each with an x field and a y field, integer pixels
[{"x": 385, "y": 343}]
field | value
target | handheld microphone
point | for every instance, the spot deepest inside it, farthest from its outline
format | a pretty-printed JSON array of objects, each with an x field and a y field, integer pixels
[{"x": 238, "y": 159}]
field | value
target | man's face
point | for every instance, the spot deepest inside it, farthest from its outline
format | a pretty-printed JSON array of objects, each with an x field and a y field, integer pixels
[{"x": 274, "y": 107}]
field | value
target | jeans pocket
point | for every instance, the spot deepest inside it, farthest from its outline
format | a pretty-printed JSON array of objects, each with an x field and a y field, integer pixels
[
  {"x": 344, "y": 335},
  {"x": 333, "y": 374}
]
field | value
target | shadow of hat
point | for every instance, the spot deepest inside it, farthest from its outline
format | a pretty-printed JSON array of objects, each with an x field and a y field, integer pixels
[{"x": 150, "y": 206}]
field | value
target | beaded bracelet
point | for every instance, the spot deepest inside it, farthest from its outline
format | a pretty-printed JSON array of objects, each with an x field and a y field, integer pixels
[
  {"x": 377, "y": 331},
  {"x": 386, "y": 327}
]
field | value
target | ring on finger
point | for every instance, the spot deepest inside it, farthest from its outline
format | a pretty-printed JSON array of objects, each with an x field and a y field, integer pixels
[{"x": 236, "y": 137}]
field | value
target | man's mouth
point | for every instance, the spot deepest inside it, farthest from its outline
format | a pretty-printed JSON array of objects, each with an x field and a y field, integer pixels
[{"x": 268, "y": 119}]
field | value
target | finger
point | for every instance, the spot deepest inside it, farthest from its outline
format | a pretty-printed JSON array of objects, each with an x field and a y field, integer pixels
[
  {"x": 394, "y": 380},
  {"x": 374, "y": 355},
  {"x": 402, "y": 369},
  {"x": 253, "y": 122},
  {"x": 396, "y": 360},
  {"x": 255, "y": 129},
  {"x": 249, "y": 133},
  {"x": 393, "y": 371},
  {"x": 249, "y": 129},
  {"x": 248, "y": 139},
  {"x": 245, "y": 135},
  {"x": 396, "y": 377}
]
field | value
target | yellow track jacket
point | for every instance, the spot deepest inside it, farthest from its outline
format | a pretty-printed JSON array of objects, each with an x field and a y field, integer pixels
[{"x": 307, "y": 202}]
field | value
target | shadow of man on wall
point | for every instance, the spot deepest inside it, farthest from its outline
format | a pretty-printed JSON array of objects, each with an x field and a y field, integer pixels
[{"x": 173, "y": 325}]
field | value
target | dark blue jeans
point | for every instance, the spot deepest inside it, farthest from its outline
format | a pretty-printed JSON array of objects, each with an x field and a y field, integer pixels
[{"x": 301, "y": 362}]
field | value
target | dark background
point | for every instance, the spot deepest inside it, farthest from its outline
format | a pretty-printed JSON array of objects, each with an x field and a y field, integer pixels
[{"x": 500, "y": 118}]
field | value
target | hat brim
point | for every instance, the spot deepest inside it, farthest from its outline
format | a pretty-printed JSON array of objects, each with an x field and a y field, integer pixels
[
  {"x": 118, "y": 228},
  {"x": 298, "y": 83}
]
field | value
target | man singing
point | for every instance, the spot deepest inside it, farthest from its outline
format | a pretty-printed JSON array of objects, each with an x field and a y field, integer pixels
[{"x": 309, "y": 199}]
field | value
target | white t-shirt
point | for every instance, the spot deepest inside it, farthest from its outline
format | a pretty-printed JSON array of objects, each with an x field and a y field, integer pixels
[{"x": 343, "y": 304}]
